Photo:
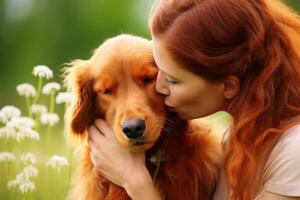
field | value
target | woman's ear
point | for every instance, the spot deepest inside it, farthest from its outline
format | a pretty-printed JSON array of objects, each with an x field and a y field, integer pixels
[
  {"x": 230, "y": 87},
  {"x": 80, "y": 113}
]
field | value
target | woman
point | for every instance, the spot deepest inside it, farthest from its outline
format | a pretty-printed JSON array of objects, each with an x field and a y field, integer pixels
[{"x": 242, "y": 56}]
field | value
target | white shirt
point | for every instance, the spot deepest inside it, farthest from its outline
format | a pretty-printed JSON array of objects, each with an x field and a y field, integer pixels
[{"x": 282, "y": 170}]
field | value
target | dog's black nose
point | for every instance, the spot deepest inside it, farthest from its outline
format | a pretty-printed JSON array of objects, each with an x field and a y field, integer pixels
[{"x": 134, "y": 128}]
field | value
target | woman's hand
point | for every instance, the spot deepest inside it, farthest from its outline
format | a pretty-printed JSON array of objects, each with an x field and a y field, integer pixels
[{"x": 116, "y": 163}]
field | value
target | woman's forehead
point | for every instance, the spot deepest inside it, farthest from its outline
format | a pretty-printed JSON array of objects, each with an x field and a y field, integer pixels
[
  {"x": 163, "y": 59},
  {"x": 166, "y": 63}
]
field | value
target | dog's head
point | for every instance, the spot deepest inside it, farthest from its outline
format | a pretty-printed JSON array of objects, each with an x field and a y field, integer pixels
[{"x": 118, "y": 84}]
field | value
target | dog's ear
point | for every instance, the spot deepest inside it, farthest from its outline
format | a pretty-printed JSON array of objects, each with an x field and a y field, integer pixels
[{"x": 79, "y": 81}]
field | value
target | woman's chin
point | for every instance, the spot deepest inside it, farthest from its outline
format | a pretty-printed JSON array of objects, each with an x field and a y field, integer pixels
[
  {"x": 182, "y": 115},
  {"x": 187, "y": 116}
]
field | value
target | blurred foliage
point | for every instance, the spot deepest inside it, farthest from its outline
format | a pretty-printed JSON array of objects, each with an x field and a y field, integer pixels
[{"x": 54, "y": 32}]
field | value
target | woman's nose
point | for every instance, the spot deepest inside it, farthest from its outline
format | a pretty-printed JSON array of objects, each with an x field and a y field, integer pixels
[{"x": 161, "y": 86}]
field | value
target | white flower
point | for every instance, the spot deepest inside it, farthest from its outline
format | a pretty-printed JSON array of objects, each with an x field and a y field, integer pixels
[
  {"x": 25, "y": 175},
  {"x": 26, "y": 90},
  {"x": 8, "y": 112},
  {"x": 28, "y": 158},
  {"x": 38, "y": 109},
  {"x": 42, "y": 71},
  {"x": 50, "y": 87},
  {"x": 28, "y": 186},
  {"x": 57, "y": 162},
  {"x": 3, "y": 132},
  {"x": 64, "y": 97},
  {"x": 13, "y": 184},
  {"x": 27, "y": 133},
  {"x": 49, "y": 119},
  {"x": 22, "y": 180},
  {"x": 10, "y": 132},
  {"x": 20, "y": 128},
  {"x": 29, "y": 171},
  {"x": 7, "y": 156},
  {"x": 20, "y": 122}
]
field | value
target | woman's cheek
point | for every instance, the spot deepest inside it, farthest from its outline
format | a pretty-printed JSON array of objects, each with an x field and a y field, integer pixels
[{"x": 173, "y": 98}]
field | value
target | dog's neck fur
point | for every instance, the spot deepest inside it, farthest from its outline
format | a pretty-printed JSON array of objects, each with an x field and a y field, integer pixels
[{"x": 170, "y": 141}]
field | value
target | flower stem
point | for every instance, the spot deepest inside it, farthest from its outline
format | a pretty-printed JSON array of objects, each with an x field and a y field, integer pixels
[
  {"x": 27, "y": 145},
  {"x": 37, "y": 123},
  {"x": 6, "y": 171},
  {"x": 52, "y": 102},
  {"x": 39, "y": 89},
  {"x": 70, "y": 157},
  {"x": 28, "y": 106},
  {"x": 48, "y": 140}
]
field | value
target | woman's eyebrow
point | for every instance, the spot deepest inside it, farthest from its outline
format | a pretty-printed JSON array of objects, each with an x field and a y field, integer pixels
[{"x": 172, "y": 77}]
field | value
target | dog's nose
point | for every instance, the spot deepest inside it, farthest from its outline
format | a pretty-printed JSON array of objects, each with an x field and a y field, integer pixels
[{"x": 134, "y": 128}]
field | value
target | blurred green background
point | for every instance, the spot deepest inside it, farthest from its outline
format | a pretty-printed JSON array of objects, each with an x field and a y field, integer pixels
[{"x": 53, "y": 32}]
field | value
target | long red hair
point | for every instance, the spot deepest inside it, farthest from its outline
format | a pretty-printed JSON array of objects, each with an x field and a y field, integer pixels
[{"x": 259, "y": 42}]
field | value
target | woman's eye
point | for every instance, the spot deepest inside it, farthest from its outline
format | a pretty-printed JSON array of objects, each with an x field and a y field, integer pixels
[{"x": 170, "y": 81}]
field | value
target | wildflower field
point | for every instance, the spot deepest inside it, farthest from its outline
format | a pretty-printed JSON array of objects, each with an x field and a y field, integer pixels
[{"x": 35, "y": 162}]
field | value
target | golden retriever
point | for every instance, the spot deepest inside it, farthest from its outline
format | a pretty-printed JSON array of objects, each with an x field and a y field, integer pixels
[{"x": 118, "y": 84}]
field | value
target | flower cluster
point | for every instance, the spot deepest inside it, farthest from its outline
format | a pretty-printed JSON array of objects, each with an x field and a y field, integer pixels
[
  {"x": 7, "y": 156},
  {"x": 38, "y": 109},
  {"x": 65, "y": 97},
  {"x": 57, "y": 162},
  {"x": 42, "y": 71},
  {"x": 8, "y": 112},
  {"x": 21, "y": 128},
  {"x": 28, "y": 158},
  {"x": 22, "y": 181},
  {"x": 26, "y": 89},
  {"x": 14, "y": 125},
  {"x": 49, "y": 119},
  {"x": 51, "y": 87}
]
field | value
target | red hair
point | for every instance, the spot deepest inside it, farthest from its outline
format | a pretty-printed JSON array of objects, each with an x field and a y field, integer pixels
[{"x": 259, "y": 42}]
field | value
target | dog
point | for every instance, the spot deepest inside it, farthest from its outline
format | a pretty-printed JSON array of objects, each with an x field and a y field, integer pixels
[{"x": 118, "y": 84}]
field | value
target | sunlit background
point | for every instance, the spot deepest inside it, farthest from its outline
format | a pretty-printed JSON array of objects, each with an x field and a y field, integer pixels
[{"x": 54, "y": 32}]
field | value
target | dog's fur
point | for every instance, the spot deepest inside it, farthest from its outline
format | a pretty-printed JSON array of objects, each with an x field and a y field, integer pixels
[{"x": 118, "y": 83}]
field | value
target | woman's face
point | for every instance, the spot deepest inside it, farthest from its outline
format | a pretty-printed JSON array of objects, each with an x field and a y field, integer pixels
[{"x": 188, "y": 94}]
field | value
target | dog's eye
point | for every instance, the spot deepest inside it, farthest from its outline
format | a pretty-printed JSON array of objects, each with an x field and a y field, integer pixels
[
  {"x": 148, "y": 80},
  {"x": 107, "y": 91}
]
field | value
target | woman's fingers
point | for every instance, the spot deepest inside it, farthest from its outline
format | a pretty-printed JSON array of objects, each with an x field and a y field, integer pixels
[
  {"x": 94, "y": 134},
  {"x": 114, "y": 161},
  {"x": 103, "y": 127}
]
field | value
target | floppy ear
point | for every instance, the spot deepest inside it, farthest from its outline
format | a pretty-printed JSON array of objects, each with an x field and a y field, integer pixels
[{"x": 80, "y": 114}]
